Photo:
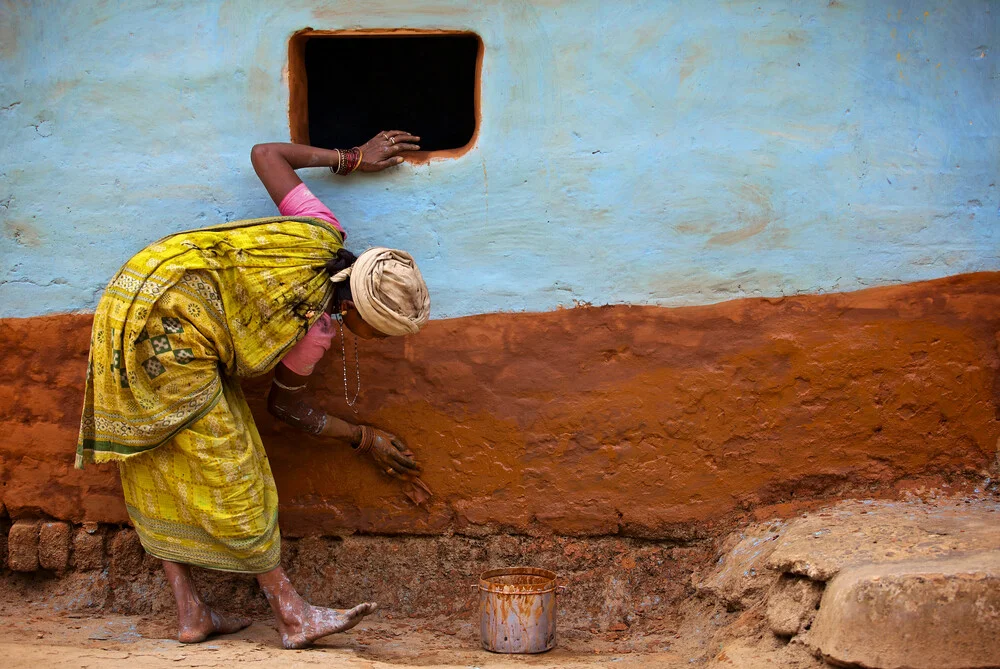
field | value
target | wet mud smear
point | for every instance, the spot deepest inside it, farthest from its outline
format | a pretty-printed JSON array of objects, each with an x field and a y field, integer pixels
[{"x": 642, "y": 421}]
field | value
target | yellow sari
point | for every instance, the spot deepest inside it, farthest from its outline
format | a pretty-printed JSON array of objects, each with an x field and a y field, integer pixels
[{"x": 176, "y": 327}]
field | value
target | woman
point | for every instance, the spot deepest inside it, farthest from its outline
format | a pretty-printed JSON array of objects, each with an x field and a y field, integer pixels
[{"x": 187, "y": 317}]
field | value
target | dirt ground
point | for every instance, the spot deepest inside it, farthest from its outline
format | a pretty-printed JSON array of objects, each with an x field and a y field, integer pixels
[
  {"x": 699, "y": 633},
  {"x": 630, "y": 604},
  {"x": 721, "y": 615},
  {"x": 33, "y": 636}
]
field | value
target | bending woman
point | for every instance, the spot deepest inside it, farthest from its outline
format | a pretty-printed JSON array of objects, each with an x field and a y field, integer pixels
[{"x": 189, "y": 316}]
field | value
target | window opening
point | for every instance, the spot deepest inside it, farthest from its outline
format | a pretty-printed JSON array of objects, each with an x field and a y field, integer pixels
[{"x": 347, "y": 87}]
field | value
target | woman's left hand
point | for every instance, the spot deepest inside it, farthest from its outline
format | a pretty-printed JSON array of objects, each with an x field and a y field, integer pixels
[
  {"x": 391, "y": 454},
  {"x": 382, "y": 150}
]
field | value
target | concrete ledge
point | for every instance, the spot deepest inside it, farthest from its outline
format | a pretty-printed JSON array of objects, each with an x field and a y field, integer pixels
[{"x": 936, "y": 614}]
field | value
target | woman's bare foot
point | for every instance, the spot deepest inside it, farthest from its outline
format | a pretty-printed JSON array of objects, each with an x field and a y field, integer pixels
[
  {"x": 301, "y": 623},
  {"x": 317, "y": 622},
  {"x": 199, "y": 625},
  {"x": 195, "y": 620}
]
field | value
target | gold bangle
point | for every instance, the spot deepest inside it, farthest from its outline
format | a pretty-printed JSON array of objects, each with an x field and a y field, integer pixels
[
  {"x": 361, "y": 156},
  {"x": 288, "y": 388}
]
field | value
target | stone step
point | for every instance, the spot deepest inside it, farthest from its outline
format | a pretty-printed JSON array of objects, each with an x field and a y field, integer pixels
[
  {"x": 942, "y": 613},
  {"x": 820, "y": 544}
]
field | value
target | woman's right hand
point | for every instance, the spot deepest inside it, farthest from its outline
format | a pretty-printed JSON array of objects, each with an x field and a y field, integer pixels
[
  {"x": 382, "y": 150},
  {"x": 391, "y": 454}
]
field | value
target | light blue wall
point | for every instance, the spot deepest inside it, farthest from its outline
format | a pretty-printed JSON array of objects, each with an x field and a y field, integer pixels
[{"x": 655, "y": 153}]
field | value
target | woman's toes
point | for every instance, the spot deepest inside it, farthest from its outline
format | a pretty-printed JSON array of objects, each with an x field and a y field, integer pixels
[
  {"x": 362, "y": 610},
  {"x": 352, "y": 617}
]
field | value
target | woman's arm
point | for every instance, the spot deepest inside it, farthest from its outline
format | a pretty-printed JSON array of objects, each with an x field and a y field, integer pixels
[
  {"x": 275, "y": 163},
  {"x": 287, "y": 402}
]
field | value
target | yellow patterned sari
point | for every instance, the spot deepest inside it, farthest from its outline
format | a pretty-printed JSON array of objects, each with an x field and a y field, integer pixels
[{"x": 173, "y": 332}]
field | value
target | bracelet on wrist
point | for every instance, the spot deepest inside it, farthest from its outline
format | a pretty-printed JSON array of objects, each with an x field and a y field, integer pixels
[
  {"x": 293, "y": 389},
  {"x": 348, "y": 160},
  {"x": 367, "y": 441}
]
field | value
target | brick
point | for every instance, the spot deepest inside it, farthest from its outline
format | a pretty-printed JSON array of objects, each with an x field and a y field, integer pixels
[
  {"x": 53, "y": 546},
  {"x": 88, "y": 548},
  {"x": 125, "y": 554},
  {"x": 22, "y": 546},
  {"x": 4, "y": 530}
]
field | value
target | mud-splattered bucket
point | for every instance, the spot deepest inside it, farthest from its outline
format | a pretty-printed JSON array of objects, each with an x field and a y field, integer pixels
[{"x": 518, "y": 610}]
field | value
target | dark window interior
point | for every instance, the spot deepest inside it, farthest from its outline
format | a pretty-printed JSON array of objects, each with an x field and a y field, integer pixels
[{"x": 361, "y": 85}]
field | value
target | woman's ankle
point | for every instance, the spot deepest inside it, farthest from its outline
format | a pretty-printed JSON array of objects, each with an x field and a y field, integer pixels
[
  {"x": 288, "y": 606},
  {"x": 192, "y": 608},
  {"x": 289, "y": 611}
]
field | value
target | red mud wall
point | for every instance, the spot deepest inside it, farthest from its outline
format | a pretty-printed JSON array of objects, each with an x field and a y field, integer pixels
[{"x": 644, "y": 421}]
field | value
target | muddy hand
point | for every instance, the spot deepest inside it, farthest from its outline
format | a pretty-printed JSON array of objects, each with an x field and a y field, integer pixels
[{"x": 392, "y": 456}]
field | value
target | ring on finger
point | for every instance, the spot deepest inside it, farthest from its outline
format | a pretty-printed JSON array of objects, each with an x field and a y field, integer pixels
[
  {"x": 392, "y": 140},
  {"x": 386, "y": 136},
  {"x": 389, "y": 471}
]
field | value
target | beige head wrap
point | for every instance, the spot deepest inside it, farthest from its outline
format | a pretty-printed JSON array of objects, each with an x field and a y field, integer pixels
[{"x": 388, "y": 290}]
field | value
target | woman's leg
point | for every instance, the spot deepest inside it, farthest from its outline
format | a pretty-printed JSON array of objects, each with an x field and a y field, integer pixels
[
  {"x": 300, "y": 623},
  {"x": 196, "y": 620}
]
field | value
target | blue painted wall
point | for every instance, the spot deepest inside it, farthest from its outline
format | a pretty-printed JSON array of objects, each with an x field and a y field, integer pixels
[{"x": 655, "y": 153}]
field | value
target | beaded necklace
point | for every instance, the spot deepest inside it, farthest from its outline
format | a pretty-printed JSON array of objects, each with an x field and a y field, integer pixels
[{"x": 357, "y": 366}]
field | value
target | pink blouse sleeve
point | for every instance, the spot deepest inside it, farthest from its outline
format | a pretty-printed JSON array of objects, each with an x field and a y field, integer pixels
[
  {"x": 301, "y": 202},
  {"x": 309, "y": 350}
]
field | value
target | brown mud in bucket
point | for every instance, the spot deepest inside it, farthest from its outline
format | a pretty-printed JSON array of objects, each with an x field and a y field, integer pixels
[{"x": 518, "y": 610}]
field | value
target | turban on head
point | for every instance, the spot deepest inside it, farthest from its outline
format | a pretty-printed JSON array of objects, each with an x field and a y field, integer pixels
[{"x": 388, "y": 290}]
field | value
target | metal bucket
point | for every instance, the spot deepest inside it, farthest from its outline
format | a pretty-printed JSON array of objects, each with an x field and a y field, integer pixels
[{"x": 518, "y": 610}]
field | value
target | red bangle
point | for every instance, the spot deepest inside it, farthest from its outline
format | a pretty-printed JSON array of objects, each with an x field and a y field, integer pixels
[
  {"x": 367, "y": 439},
  {"x": 348, "y": 160}
]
